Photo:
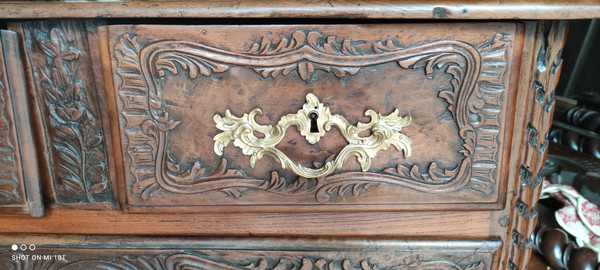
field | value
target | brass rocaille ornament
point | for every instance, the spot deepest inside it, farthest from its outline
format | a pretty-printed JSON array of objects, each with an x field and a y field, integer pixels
[{"x": 385, "y": 131}]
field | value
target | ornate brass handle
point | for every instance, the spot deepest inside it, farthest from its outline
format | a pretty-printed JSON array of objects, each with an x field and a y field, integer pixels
[{"x": 313, "y": 120}]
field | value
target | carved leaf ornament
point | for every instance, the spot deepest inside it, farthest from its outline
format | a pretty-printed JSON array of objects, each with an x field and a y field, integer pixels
[
  {"x": 475, "y": 72},
  {"x": 76, "y": 136}
]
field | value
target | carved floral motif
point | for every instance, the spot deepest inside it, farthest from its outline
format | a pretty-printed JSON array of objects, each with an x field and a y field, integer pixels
[
  {"x": 75, "y": 133},
  {"x": 474, "y": 103}
]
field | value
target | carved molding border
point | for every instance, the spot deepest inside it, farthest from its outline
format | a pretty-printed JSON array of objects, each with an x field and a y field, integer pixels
[{"x": 474, "y": 103}]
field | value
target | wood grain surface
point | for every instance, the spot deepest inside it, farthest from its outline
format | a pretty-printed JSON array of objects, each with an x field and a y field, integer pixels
[
  {"x": 19, "y": 177},
  {"x": 397, "y": 9},
  {"x": 430, "y": 224}
]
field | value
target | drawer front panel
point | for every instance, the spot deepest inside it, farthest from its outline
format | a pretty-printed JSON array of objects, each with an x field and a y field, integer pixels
[
  {"x": 410, "y": 116},
  {"x": 246, "y": 253}
]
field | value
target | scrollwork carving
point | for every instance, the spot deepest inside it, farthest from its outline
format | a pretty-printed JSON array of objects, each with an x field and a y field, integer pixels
[
  {"x": 474, "y": 103},
  {"x": 192, "y": 260},
  {"x": 301, "y": 43}
]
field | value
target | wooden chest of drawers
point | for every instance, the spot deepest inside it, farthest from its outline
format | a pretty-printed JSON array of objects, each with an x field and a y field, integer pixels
[{"x": 277, "y": 144}]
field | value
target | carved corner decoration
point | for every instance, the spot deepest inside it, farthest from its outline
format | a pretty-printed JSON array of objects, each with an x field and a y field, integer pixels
[
  {"x": 475, "y": 103},
  {"x": 313, "y": 120},
  {"x": 60, "y": 60}
]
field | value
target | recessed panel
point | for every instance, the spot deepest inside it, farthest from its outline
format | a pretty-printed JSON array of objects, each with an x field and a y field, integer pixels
[{"x": 310, "y": 117}]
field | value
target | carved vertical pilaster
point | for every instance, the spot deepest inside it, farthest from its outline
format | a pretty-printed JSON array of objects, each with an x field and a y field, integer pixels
[
  {"x": 66, "y": 91},
  {"x": 19, "y": 179},
  {"x": 549, "y": 41}
]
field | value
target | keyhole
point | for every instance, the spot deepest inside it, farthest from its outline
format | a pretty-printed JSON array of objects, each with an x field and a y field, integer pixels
[{"x": 314, "y": 128}]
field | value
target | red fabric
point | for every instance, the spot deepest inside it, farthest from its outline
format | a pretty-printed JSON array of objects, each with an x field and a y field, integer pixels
[{"x": 579, "y": 217}]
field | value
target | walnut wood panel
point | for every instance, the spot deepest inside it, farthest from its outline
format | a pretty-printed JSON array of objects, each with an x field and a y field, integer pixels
[
  {"x": 408, "y": 224},
  {"x": 19, "y": 179},
  {"x": 245, "y": 253},
  {"x": 69, "y": 100},
  {"x": 170, "y": 82},
  {"x": 378, "y": 9}
]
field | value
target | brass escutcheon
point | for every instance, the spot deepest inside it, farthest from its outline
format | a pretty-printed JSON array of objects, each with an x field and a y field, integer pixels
[{"x": 385, "y": 131}]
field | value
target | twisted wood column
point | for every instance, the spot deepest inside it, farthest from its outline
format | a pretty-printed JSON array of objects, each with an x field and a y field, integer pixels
[{"x": 560, "y": 252}]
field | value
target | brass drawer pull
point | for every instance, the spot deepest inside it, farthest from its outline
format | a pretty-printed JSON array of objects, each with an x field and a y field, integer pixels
[{"x": 385, "y": 131}]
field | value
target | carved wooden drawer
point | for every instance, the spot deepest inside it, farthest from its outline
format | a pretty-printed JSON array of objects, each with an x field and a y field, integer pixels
[
  {"x": 77, "y": 252},
  {"x": 219, "y": 117}
]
